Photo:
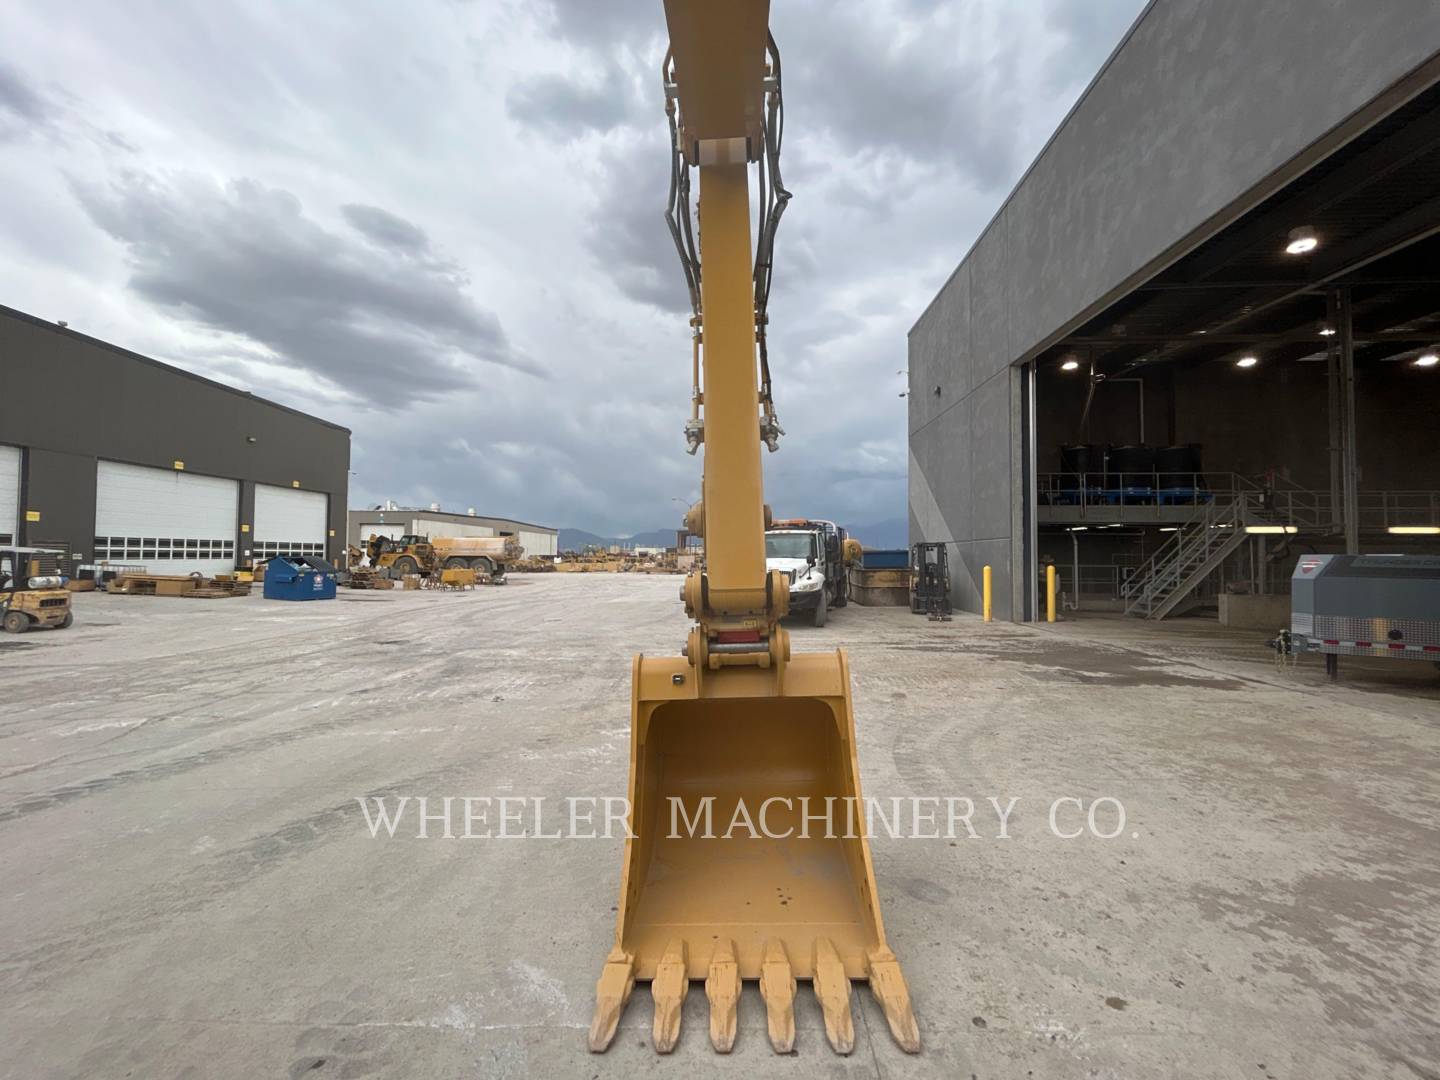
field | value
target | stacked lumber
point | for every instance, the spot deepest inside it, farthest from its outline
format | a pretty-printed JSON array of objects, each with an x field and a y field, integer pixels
[{"x": 193, "y": 586}]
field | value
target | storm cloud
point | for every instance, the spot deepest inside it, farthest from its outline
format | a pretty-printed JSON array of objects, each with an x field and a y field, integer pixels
[
  {"x": 387, "y": 230},
  {"x": 444, "y": 229},
  {"x": 246, "y": 259}
]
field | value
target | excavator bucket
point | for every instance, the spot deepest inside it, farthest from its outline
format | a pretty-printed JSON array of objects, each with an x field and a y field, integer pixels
[{"x": 748, "y": 857}]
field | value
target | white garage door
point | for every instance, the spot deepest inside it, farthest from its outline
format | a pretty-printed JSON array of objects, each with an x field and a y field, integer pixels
[
  {"x": 380, "y": 528},
  {"x": 169, "y": 522},
  {"x": 9, "y": 494},
  {"x": 289, "y": 521},
  {"x": 450, "y": 528},
  {"x": 537, "y": 543}
]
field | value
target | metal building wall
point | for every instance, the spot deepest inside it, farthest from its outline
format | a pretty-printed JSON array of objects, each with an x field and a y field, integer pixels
[
  {"x": 536, "y": 539},
  {"x": 70, "y": 400},
  {"x": 1205, "y": 109}
]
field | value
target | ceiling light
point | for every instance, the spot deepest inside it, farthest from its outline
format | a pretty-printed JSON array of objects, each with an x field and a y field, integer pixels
[
  {"x": 1302, "y": 240},
  {"x": 1070, "y": 365},
  {"x": 1078, "y": 528},
  {"x": 1428, "y": 359},
  {"x": 1246, "y": 361},
  {"x": 1414, "y": 530},
  {"x": 1169, "y": 528},
  {"x": 1327, "y": 331},
  {"x": 1271, "y": 530}
]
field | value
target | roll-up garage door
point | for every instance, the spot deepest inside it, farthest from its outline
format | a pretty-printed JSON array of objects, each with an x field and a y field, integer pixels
[
  {"x": 537, "y": 543},
  {"x": 169, "y": 522},
  {"x": 289, "y": 522},
  {"x": 9, "y": 494},
  {"x": 380, "y": 528}
]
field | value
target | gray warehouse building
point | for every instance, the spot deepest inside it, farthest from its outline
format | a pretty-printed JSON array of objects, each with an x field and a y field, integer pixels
[
  {"x": 397, "y": 521},
  {"x": 115, "y": 457},
  {"x": 1200, "y": 336}
]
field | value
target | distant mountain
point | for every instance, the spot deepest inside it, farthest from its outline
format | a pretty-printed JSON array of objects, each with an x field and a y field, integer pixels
[
  {"x": 890, "y": 533},
  {"x": 579, "y": 539}
]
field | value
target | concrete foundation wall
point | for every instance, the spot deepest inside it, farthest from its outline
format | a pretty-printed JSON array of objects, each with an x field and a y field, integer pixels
[
  {"x": 1204, "y": 110},
  {"x": 1254, "y": 612},
  {"x": 964, "y": 472}
]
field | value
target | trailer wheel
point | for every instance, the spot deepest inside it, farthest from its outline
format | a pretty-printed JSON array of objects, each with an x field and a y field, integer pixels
[
  {"x": 821, "y": 610},
  {"x": 16, "y": 622},
  {"x": 455, "y": 562},
  {"x": 482, "y": 565}
]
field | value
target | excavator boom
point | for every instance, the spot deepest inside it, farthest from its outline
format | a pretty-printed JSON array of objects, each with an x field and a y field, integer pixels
[{"x": 747, "y": 857}]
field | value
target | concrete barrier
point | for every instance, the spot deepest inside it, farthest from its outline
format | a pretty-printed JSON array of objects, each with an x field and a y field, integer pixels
[
  {"x": 1254, "y": 612},
  {"x": 880, "y": 588}
]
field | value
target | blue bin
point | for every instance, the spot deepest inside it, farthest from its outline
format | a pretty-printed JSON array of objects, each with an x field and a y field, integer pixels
[
  {"x": 885, "y": 559},
  {"x": 299, "y": 577}
]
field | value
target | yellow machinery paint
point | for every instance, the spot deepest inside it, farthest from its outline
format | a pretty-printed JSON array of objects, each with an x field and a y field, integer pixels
[{"x": 737, "y": 720}]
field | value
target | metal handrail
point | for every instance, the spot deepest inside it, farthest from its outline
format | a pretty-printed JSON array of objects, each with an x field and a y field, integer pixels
[
  {"x": 1192, "y": 544},
  {"x": 1280, "y": 502},
  {"x": 1188, "y": 548}
]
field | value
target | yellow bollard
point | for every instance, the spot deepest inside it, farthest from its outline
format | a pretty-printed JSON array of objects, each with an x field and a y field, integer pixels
[
  {"x": 985, "y": 594},
  {"x": 1050, "y": 593}
]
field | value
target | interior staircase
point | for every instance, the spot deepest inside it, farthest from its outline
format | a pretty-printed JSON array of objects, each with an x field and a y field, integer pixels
[{"x": 1170, "y": 578}]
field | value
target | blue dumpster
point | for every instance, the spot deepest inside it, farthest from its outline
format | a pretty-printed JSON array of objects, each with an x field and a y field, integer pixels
[
  {"x": 885, "y": 559},
  {"x": 299, "y": 577}
]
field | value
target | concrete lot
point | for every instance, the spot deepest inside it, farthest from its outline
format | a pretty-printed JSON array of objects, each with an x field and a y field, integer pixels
[{"x": 188, "y": 888}]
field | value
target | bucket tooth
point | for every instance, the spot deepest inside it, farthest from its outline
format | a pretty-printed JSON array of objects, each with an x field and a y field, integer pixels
[
  {"x": 722, "y": 987},
  {"x": 888, "y": 985},
  {"x": 669, "y": 987},
  {"x": 617, "y": 979},
  {"x": 777, "y": 987},
  {"x": 832, "y": 987}
]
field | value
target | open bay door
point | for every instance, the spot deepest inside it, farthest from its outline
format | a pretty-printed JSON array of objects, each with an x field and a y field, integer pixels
[
  {"x": 289, "y": 521},
  {"x": 167, "y": 521},
  {"x": 9, "y": 494}
]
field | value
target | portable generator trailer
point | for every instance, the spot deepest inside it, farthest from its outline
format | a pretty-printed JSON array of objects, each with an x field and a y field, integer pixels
[{"x": 1366, "y": 605}]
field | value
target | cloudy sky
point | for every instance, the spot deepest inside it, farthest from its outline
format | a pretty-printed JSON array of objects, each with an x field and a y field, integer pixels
[{"x": 439, "y": 224}]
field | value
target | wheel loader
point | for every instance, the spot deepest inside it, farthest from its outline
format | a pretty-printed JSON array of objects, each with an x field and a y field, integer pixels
[
  {"x": 737, "y": 718},
  {"x": 31, "y": 591}
]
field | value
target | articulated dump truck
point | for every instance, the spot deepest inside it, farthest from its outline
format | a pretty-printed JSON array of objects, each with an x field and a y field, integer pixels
[
  {"x": 490, "y": 555},
  {"x": 737, "y": 723}
]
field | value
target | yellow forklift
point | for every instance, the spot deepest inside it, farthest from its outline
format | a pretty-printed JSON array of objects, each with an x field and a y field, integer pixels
[{"x": 32, "y": 592}]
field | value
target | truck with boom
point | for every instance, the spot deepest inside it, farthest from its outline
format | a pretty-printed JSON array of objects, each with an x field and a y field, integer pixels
[{"x": 812, "y": 556}]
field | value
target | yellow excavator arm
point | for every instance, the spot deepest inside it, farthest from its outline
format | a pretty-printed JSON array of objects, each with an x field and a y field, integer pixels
[{"x": 747, "y": 857}]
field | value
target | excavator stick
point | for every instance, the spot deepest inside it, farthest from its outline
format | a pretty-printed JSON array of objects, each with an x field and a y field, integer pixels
[{"x": 747, "y": 857}]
